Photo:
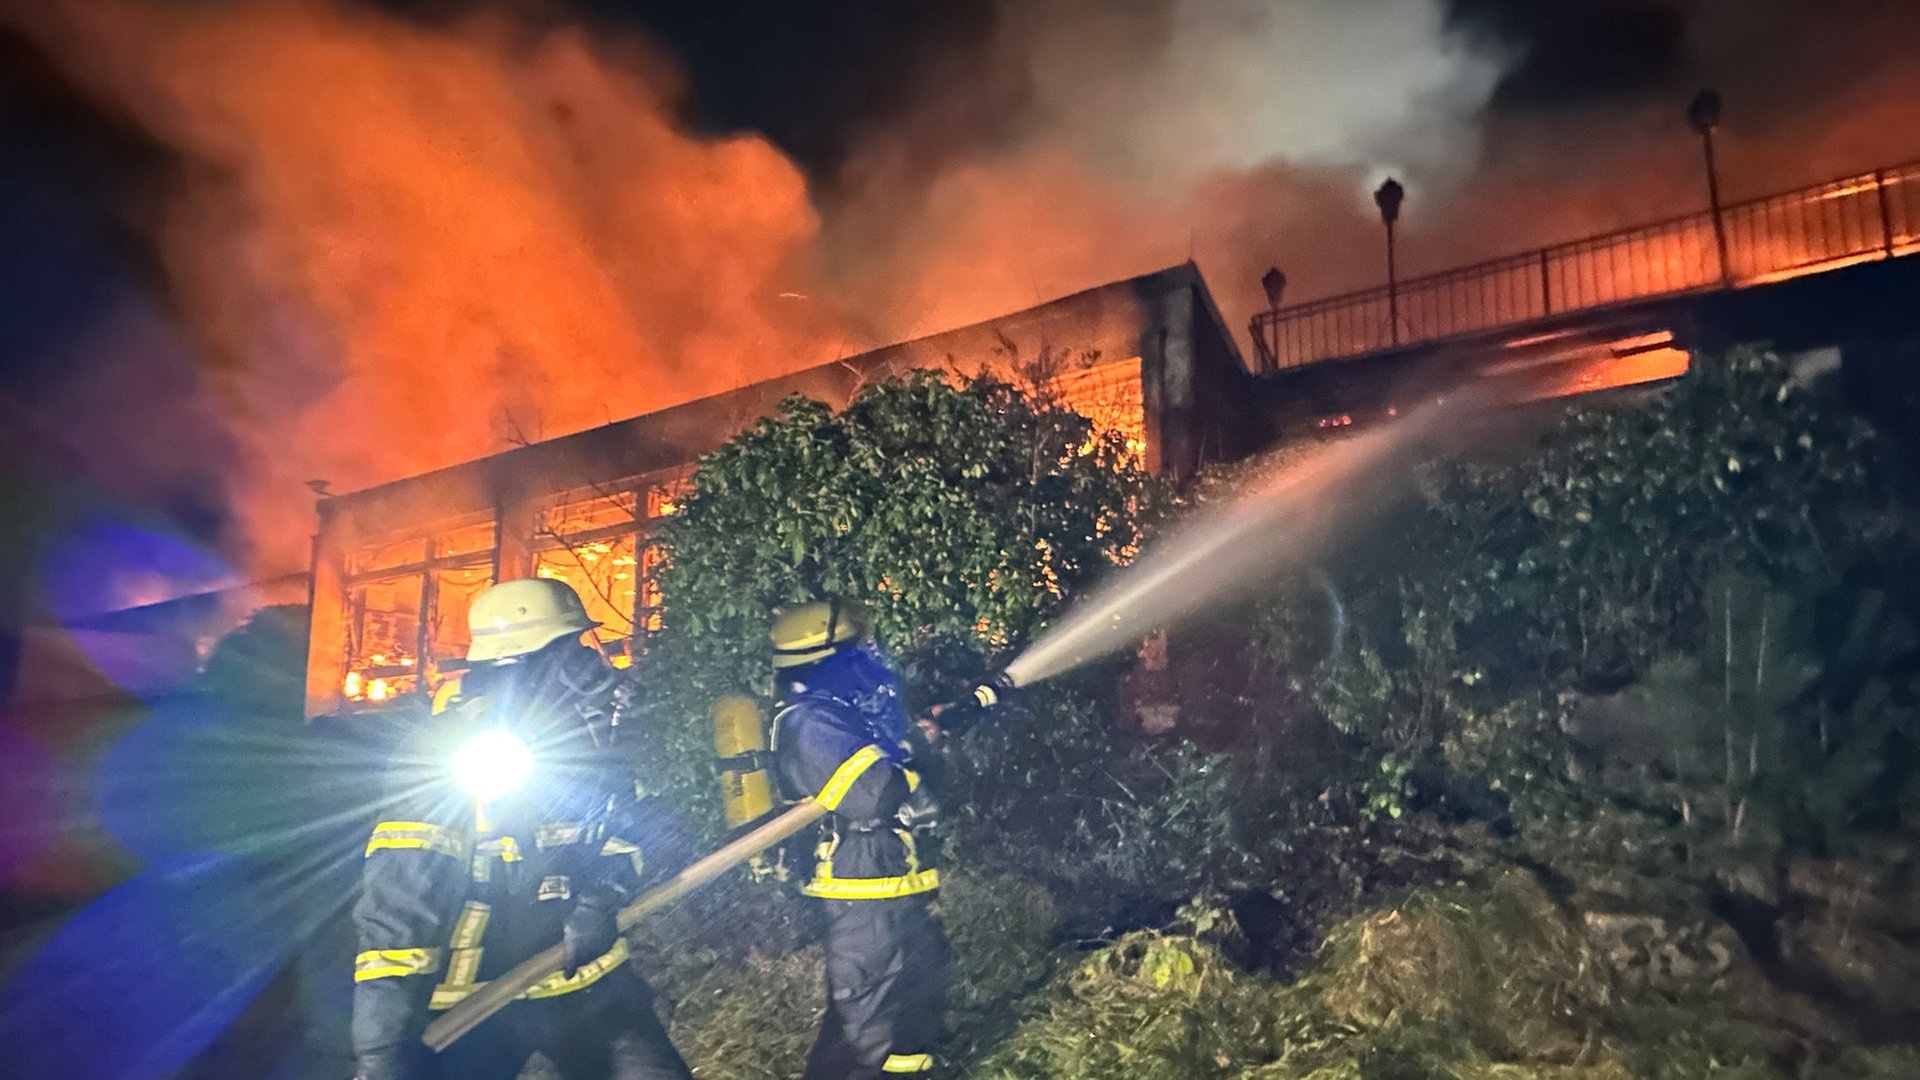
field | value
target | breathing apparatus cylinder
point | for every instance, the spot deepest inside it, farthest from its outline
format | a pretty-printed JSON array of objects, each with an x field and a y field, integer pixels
[{"x": 740, "y": 741}]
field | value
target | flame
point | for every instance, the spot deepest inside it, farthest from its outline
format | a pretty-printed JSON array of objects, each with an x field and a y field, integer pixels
[{"x": 469, "y": 236}]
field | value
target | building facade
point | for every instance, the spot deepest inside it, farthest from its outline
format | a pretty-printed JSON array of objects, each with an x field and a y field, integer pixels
[{"x": 395, "y": 567}]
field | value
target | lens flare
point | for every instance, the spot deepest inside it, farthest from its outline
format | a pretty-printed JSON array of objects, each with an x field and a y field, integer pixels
[{"x": 492, "y": 764}]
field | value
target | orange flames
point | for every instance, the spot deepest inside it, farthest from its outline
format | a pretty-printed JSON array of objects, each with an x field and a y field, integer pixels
[
  {"x": 402, "y": 247},
  {"x": 407, "y": 248}
]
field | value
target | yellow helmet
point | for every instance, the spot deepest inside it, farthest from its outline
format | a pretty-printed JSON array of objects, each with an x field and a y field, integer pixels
[
  {"x": 517, "y": 617},
  {"x": 813, "y": 631}
]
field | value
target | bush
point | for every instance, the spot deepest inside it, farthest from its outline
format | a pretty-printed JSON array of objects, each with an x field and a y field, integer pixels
[{"x": 1576, "y": 564}]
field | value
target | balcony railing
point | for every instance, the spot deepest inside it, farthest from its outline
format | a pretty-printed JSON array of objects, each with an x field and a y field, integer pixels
[{"x": 1870, "y": 216}]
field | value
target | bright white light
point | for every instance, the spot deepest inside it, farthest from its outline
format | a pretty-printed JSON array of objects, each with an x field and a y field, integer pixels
[{"x": 491, "y": 764}]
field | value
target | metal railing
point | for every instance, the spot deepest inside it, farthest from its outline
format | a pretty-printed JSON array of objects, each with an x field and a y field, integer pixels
[{"x": 1872, "y": 215}]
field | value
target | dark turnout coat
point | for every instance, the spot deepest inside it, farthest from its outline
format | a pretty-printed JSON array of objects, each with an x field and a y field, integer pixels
[
  {"x": 887, "y": 964},
  {"x": 455, "y": 894}
]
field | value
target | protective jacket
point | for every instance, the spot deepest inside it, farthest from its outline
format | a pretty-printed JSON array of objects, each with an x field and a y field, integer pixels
[
  {"x": 886, "y": 952},
  {"x": 455, "y": 894}
]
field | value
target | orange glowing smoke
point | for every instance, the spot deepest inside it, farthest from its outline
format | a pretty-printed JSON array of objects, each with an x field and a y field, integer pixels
[{"x": 404, "y": 248}]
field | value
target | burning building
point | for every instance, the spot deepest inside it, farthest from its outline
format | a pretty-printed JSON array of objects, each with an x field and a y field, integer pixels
[{"x": 396, "y": 566}]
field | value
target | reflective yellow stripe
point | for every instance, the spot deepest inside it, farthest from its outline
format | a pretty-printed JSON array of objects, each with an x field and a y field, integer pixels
[
  {"x": 557, "y": 834},
  {"x": 616, "y": 846},
  {"x": 504, "y": 848},
  {"x": 913, "y": 779},
  {"x": 907, "y": 1063},
  {"x": 410, "y": 835},
  {"x": 843, "y": 778},
  {"x": 833, "y": 888},
  {"x": 464, "y": 964},
  {"x": 554, "y": 985},
  {"x": 395, "y": 963},
  {"x": 444, "y": 697}
]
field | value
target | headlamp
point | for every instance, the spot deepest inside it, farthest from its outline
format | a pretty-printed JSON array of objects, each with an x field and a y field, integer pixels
[{"x": 492, "y": 764}]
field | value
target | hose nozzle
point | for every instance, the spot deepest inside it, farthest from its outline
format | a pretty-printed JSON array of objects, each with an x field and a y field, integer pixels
[
  {"x": 995, "y": 691},
  {"x": 961, "y": 715}
]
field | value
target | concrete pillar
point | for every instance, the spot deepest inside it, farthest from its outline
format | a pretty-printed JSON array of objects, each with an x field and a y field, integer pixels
[{"x": 327, "y": 633}]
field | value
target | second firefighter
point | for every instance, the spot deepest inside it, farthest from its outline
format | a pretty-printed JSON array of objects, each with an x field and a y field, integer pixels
[{"x": 840, "y": 737}]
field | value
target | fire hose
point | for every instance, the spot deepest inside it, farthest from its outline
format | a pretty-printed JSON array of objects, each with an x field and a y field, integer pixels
[{"x": 495, "y": 995}]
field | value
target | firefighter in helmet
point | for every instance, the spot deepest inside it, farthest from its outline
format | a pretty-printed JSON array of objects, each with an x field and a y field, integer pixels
[
  {"x": 840, "y": 737},
  {"x": 511, "y": 824}
]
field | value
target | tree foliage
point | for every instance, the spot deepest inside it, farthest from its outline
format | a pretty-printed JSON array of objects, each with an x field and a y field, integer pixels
[
  {"x": 261, "y": 665},
  {"x": 1587, "y": 561}
]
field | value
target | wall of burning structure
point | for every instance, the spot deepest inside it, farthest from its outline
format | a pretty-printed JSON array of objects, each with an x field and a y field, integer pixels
[
  {"x": 406, "y": 602},
  {"x": 396, "y": 567}
]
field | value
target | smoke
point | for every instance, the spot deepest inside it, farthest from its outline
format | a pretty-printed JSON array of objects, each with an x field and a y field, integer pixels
[
  {"x": 1161, "y": 95},
  {"x": 399, "y": 248},
  {"x": 1133, "y": 135},
  {"x": 396, "y": 246},
  {"x": 1145, "y": 133}
]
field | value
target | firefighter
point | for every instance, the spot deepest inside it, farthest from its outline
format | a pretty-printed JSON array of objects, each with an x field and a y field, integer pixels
[
  {"x": 511, "y": 825},
  {"x": 839, "y": 737}
]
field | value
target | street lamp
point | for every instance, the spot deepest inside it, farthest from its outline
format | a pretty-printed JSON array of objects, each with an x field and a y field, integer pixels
[
  {"x": 1274, "y": 284},
  {"x": 1388, "y": 199},
  {"x": 1703, "y": 115},
  {"x": 1274, "y": 281}
]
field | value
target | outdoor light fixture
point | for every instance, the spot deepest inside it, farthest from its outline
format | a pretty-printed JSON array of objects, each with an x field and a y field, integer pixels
[
  {"x": 1274, "y": 283},
  {"x": 1388, "y": 199},
  {"x": 492, "y": 764},
  {"x": 1703, "y": 116}
]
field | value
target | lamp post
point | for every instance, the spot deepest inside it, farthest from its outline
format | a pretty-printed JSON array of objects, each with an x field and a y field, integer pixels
[
  {"x": 1703, "y": 115},
  {"x": 1274, "y": 284},
  {"x": 1388, "y": 199}
]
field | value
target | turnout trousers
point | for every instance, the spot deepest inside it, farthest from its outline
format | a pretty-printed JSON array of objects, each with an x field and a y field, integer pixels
[
  {"x": 887, "y": 971},
  {"x": 607, "y": 1031}
]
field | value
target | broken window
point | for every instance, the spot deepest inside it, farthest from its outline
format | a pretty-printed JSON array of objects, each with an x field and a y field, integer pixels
[
  {"x": 383, "y": 638},
  {"x": 1108, "y": 394},
  {"x": 592, "y": 544},
  {"x": 668, "y": 497},
  {"x": 603, "y": 573},
  {"x": 407, "y": 609}
]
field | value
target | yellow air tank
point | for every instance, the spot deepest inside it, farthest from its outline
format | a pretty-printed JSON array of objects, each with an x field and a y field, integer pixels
[{"x": 740, "y": 740}]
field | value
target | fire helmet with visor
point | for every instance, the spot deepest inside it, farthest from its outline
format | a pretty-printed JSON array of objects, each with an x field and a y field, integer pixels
[
  {"x": 809, "y": 633},
  {"x": 515, "y": 618}
]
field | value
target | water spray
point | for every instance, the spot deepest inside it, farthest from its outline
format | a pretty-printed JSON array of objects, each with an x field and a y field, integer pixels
[{"x": 1287, "y": 521}]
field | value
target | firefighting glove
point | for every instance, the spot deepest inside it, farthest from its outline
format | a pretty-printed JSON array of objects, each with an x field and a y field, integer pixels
[
  {"x": 920, "y": 811},
  {"x": 590, "y": 930},
  {"x": 961, "y": 716},
  {"x": 770, "y": 868}
]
